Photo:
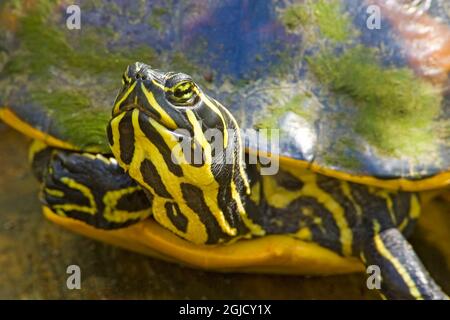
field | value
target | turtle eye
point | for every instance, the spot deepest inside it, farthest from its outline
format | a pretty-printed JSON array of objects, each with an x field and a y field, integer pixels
[{"x": 183, "y": 93}]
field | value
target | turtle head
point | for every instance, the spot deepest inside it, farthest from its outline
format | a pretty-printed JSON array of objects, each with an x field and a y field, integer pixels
[
  {"x": 163, "y": 96},
  {"x": 184, "y": 149}
]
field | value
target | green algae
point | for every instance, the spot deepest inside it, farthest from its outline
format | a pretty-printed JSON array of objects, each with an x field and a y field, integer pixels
[
  {"x": 326, "y": 15},
  {"x": 179, "y": 62},
  {"x": 273, "y": 112},
  {"x": 394, "y": 109},
  {"x": 51, "y": 61},
  {"x": 155, "y": 18},
  {"x": 340, "y": 154},
  {"x": 44, "y": 45},
  {"x": 295, "y": 16},
  {"x": 73, "y": 110}
]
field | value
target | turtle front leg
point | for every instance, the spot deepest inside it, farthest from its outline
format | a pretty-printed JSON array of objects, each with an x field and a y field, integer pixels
[
  {"x": 90, "y": 188},
  {"x": 403, "y": 275}
]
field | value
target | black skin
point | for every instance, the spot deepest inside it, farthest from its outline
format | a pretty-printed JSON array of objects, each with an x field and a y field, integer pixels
[{"x": 51, "y": 165}]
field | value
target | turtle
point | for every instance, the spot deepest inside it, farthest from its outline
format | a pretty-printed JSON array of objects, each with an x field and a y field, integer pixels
[
  {"x": 220, "y": 199},
  {"x": 340, "y": 198}
]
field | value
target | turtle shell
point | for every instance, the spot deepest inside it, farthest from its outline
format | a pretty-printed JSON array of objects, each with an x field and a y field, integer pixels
[{"x": 352, "y": 89}]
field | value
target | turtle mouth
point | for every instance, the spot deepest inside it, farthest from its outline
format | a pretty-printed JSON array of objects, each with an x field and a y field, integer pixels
[
  {"x": 149, "y": 114},
  {"x": 133, "y": 106}
]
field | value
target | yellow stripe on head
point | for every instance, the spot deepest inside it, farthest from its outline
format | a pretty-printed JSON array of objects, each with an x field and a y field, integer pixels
[
  {"x": 165, "y": 118},
  {"x": 159, "y": 85},
  {"x": 217, "y": 111},
  {"x": 123, "y": 98}
]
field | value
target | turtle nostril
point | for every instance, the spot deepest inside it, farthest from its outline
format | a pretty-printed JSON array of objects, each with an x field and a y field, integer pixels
[{"x": 140, "y": 76}]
